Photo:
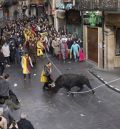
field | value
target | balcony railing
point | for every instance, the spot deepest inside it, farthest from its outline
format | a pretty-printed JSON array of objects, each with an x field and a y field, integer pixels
[{"x": 102, "y": 5}]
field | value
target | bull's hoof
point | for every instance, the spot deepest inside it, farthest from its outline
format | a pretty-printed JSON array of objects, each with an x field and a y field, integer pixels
[
  {"x": 68, "y": 94},
  {"x": 72, "y": 94},
  {"x": 93, "y": 92}
]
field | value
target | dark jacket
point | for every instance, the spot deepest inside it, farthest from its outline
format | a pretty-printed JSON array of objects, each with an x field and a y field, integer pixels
[
  {"x": 47, "y": 71},
  {"x": 2, "y": 59},
  {"x": 25, "y": 124}
]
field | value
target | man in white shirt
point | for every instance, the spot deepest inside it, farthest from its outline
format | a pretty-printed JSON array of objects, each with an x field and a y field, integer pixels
[{"x": 6, "y": 53}]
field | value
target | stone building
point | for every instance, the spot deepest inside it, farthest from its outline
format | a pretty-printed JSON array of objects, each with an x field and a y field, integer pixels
[
  {"x": 105, "y": 54},
  {"x": 93, "y": 38},
  {"x": 65, "y": 15},
  {"x": 112, "y": 39},
  {"x": 101, "y": 42},
  {"x": 12, "y": 9}
]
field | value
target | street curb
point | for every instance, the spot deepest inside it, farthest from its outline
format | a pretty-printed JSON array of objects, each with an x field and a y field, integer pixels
[{"x": 104, "y": 82}]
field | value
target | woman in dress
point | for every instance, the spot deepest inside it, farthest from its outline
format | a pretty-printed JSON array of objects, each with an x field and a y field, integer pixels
[{"x": 26, "y": 65}]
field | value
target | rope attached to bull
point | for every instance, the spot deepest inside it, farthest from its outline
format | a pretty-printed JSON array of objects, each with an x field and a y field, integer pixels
[
  {"x": 102, "y": 85},
  {"x": 95, "y": 87}
]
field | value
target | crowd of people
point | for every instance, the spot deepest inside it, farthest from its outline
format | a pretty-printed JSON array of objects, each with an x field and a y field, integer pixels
[
  {"x": 22, "y": 42},
  {"x": 35, "y": 37},
  {"x": 8, "y": 103},
  {"x": 23, "y": 123}
]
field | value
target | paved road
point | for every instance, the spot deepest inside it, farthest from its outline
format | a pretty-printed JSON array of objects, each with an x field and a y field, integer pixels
[
  {"x": 83, "y": 111},
  {"x": 108, "y": 76}
]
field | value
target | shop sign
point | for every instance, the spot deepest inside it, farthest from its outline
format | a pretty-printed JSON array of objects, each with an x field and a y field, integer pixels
[{"x": 93, "y": 19}]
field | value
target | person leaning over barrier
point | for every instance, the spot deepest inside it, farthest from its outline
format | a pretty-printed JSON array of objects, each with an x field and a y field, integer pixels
[{"x": 12, "y": 100}]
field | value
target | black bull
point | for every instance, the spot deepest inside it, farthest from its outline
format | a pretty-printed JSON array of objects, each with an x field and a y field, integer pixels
[{"x": 69, "y": 81}]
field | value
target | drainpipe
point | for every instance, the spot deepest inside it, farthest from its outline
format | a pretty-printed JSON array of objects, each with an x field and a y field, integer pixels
[
  {"x": 82, "y": 24},
  {"x": 103, "y": 41}
]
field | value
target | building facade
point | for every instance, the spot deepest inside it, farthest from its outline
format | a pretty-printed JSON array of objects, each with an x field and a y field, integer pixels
[
  {"x": 13, "y": 9},
  {"x": 66, "y": 15},
  {"x": 112, "y": 39},
  {"x": 101, "y": 43},
  {"x": 93, "y": 37}
]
